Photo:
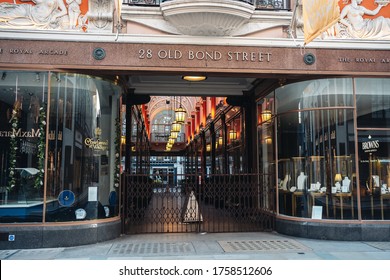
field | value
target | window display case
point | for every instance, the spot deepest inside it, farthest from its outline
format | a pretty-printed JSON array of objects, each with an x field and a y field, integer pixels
[
  {"x": 285, "y": 174},
  {"x": 317, "y": 174},
  {"x": 298, "y": 166}
]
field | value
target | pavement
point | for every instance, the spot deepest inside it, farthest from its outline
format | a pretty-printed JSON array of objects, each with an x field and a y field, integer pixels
[{"x": 210, "y": 246}]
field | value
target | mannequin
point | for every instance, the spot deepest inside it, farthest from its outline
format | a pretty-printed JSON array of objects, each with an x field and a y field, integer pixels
[
  {"x": 301, "y": 181},
  {"x": 346, "y": 182}
]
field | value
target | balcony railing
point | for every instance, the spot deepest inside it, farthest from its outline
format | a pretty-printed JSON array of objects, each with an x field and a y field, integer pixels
[{"x": 259, "y": 4}]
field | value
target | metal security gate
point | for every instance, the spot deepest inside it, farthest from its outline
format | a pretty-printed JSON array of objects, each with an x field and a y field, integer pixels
[{"x": 193, "y": 203}]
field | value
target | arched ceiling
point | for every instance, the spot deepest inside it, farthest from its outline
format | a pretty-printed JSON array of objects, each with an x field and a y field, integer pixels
[
  {"x": 158, "y": 104},
  {"x": 174, "y": 89}
]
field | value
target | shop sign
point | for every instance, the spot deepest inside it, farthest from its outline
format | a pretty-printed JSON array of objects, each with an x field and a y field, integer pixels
[
  {"x": 96, "y": 144},
  {"x": 21, "y": 134},
  {"x": 370, "y": 146}
]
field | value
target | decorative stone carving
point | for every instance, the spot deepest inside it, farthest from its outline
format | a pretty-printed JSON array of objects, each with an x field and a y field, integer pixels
[
  {"x": 352, "y": 24},
  {"x": 73, "y": 12},
  {"x": 42, "y": 14},
  {"x": 358, "y": 27},
  {"x": 207, "y": 18},
  {"x": 101, "y": 16},
  {"x": 45, "y": 14},
  {"x": 297, "y": 21}
]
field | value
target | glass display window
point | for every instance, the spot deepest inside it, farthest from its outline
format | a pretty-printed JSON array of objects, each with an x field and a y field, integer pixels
[
  {"x": 314, "y": 143},
  {"x": 373, "y": 102},
  {"x": 374, "y": 174},
  {"x": 83, "y": 150},
  {"x": 62, "y": 141},
  {"x": 23, "y": 121}
]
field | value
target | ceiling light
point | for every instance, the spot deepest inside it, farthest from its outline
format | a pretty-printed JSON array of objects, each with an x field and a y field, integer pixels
[
  {"x": 176, "y": 127},
  {"x": 180, "y": 115},
  {"x": 194, "y": 78}
]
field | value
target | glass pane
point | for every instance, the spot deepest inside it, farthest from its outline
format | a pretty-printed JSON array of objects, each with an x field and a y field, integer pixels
[
  {"x": 373, "y": 102},
  {"x": 314, "y": 94},
  {"x": 23, "y": 98},
  {"x": 374, "y": 174},
  {"x": 266, "y": 139},
  {"x": 316, "y": 164},
  {"x": 84, "y": 129}
]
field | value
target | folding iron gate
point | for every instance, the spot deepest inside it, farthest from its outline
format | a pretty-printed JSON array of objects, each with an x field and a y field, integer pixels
[{"x": 193, "y": 203}]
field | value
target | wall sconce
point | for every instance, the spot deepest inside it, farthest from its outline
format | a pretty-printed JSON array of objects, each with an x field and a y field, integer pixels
[
  {"x": 123, "y": 140},
  {"x": 232, "y": 134},
  {"x": 208, "y": 147}
]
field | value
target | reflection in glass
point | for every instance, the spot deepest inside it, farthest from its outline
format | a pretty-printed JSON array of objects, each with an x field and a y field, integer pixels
[
  {"x": 82, "y": 148},
  {"x": 314, "y": 143},
  {"x": 373, "y": 102},
  {"x": 23, "y": 105},
  {"x": 374, "y": 174}
]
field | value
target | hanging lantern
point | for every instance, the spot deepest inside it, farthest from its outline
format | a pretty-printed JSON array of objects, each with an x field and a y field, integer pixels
[
  {"x": 232, "y": 134},
  {"x": 171, "y": 141},
  {"x": 268, "y": 140},
  {"x": 174, "y": 134},
  {"x": 266, "y": 116},
  {"x": 208, "y": 147},
  {"x": 176, "y": 127},
  {"x": 180, "y": 115},
  {"x": 220, "y": 140}
]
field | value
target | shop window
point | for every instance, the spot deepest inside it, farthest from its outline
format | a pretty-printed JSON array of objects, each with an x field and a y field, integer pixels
[
  {"x": 374, "y": 174},
  {"x": 23, "y": 110},
  {"x": 373, "y": 102},
  {"x": 83, "y": 172},
  {"x": 314, "y": 168},
  {"x": 373, "y": 118}
]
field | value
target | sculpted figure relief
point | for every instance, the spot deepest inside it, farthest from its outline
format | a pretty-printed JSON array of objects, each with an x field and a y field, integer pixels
[
  {"x": 40, "y": 14},
  {"x": 74, "y": 12},
  {"x": 358, "y": 27},
  {"x": 352, "y": 23},
  {"x": 297, "y": 20}
]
